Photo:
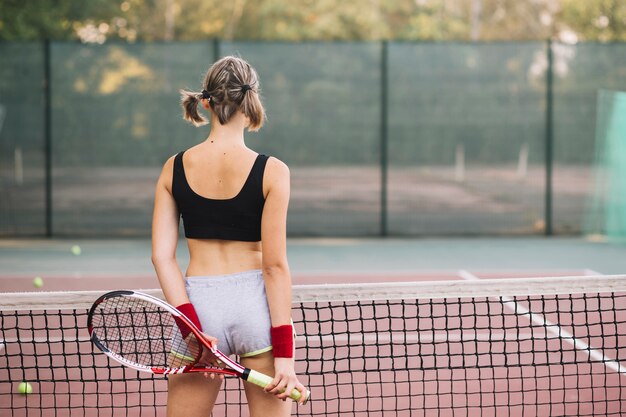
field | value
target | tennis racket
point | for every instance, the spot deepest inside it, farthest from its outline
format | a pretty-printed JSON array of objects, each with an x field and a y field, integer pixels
[{"x": 144, "y": 333}]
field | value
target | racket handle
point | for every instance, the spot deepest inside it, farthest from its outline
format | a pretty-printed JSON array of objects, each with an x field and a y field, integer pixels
[{"x": 263, "y": 380}]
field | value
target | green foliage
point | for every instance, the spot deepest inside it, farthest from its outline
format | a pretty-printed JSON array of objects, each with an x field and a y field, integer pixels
[
  {"x": 298, "y": 20},
  {"x": 603, "y": 20},
  {"x": 51, "y": 19}
]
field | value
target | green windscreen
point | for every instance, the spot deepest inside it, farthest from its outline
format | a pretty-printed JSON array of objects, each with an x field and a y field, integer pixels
[
  {"x": 580, "y": 71},
  {"x": 607, "y": 207},
  {"x": 466, "y": 139},
  {"x": 22, "y": 140},
  {"x": 323, "y": 119},
  {"x": 395, "y": 138},
  {"x": 116, "y": 119}
]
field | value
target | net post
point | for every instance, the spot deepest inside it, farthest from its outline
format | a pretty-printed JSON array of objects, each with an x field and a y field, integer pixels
[
  {"x": 549, "y": 137},
  {"x": 384, "y": 139},
  {"x": 47, "y": 87}
]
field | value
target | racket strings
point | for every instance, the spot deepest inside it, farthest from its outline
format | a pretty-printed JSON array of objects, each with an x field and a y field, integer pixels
[{"x": 143, "y": 333}]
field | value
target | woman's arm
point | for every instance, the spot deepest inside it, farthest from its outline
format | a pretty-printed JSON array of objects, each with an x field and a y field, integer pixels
[
  {"x": 165, "y": 237},
  {"x": 164, "y": 241},
  {"x": 274, "y": 243},
  {"x": 276, "y": 274}
]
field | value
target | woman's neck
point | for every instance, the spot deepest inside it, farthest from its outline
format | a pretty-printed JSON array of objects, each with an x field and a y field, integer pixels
[{"x": 230, "y": 134}]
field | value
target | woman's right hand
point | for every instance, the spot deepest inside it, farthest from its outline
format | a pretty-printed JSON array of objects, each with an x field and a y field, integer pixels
[{"x": 285, "y": 380}]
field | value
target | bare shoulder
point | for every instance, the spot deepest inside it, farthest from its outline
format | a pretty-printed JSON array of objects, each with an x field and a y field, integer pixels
[
  {"x": 167, "y": 172},
  {"x": 276, "y": 174},
  {"x": 168, "y": 166},
  {"x": 276, "y": 169}
]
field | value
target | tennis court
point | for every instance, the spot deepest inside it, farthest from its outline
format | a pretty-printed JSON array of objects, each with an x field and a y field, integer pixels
[
  {"x": 456, "y": 221},
  {"x": 457, "y": 205},
  {"x": 544, "y": 340}
]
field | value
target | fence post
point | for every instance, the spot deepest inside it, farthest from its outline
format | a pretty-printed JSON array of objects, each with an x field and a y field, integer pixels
[
  {"x": 216, "y": 49},
  {"x": 383, "y": 136},
  {"x": 47, "y": 108},
  {"x": 549, "y": 137}
]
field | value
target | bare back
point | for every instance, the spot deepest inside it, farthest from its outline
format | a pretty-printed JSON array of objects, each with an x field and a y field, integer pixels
[{"x": 219, "y": 172}]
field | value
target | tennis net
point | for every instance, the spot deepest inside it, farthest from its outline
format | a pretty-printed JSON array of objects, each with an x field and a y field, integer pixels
[{"x": 508, "y": 347}]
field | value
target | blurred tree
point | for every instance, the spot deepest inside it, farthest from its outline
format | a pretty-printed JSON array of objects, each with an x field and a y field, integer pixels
[
  {"x": 603, "y": 20},
  {"x": 53, "y": 19},
  {"x": 98, "y": 20}
]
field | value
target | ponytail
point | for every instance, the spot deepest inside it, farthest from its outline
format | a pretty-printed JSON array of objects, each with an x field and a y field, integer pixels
[
  {"x": 189, "y": 101},
  {"x": 252, "y": 108}
]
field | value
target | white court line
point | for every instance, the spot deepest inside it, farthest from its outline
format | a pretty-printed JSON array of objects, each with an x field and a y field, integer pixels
[
  {"x": 556, "y": 330},
  {"x": 591, "y": 272}
]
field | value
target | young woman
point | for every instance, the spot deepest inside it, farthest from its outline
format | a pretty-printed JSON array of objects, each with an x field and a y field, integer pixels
[{"x": 233, "y": 203}]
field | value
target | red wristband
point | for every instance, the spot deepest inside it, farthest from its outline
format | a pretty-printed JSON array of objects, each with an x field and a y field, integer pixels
[
  {"x": 190, "y": 312},
  {"x": 282, "y": 341}
]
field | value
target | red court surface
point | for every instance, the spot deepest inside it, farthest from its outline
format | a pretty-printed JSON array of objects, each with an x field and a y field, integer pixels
[
  {"x": 91, "y": 281},
  {"x": 525, "y": 357}
]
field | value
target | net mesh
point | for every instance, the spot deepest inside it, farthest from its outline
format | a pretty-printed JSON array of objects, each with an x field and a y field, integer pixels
[{"x": 515, "y": 347}]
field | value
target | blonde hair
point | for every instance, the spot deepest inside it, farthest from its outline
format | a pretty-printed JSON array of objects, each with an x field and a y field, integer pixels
[{"x": 230, "y": 84}]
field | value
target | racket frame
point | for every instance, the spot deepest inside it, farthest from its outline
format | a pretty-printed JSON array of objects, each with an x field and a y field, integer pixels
[{"x": 236, "y": 369}]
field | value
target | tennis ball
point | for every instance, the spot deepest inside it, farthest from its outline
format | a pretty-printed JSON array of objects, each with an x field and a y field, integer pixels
[
  {"x": 76, "y": 250},
  {"x": 25, "y": 388},
  {"x": 38, "y": 282}
]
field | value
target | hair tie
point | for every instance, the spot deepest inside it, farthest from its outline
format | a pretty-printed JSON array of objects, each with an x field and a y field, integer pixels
[
  {"x": 245, "y": 88},
  {"x": 206, "y": 95}
]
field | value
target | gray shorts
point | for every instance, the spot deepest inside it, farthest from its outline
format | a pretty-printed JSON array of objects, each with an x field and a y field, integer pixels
[{"x": 233, "y": 308}]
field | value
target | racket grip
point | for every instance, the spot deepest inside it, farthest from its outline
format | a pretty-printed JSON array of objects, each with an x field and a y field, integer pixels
[{"x": 263, "y": 380}]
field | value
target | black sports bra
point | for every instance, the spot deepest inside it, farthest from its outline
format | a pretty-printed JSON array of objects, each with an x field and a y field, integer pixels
[{"x": 237, "y": 218}]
